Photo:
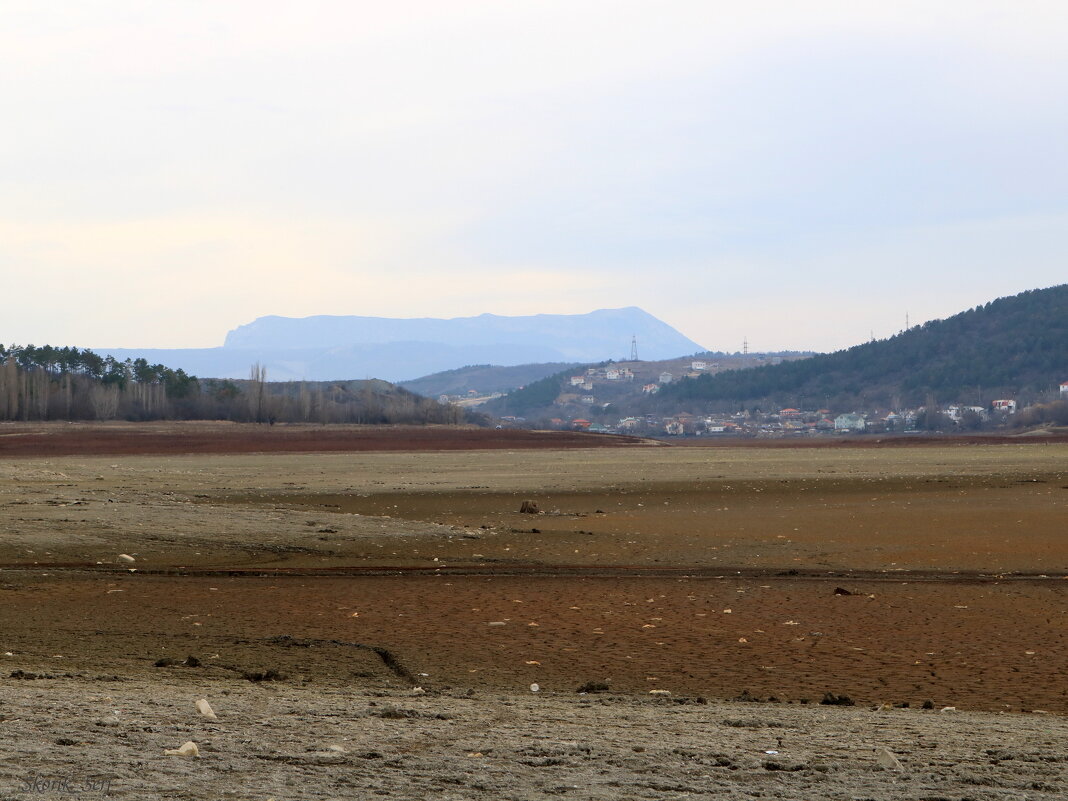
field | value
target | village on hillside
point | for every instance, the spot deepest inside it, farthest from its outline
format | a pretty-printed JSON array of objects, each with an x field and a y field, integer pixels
[
  {"x": 592, "y": 399},
  {"x": 613, "y": 381}
]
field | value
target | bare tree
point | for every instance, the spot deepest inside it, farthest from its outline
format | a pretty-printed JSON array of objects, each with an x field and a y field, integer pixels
[{"x": 257, "y": 393}]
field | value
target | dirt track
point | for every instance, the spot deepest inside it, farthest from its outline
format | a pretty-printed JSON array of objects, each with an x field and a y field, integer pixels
[{"x": 955, "y": 559}]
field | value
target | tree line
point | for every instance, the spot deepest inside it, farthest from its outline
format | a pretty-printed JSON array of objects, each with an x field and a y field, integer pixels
[{"x": 50, "y": 383}]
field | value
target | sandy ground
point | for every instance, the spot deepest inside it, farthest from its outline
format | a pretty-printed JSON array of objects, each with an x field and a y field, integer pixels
[{"x": 678, "y": 578}]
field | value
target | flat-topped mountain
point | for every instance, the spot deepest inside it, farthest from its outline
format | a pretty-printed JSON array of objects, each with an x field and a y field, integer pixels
[
  {"x": 327, "y": 348},
  {"x": 600, "y": 334}
]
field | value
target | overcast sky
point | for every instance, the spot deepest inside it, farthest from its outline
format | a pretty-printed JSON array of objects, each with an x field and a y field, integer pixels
[{"x": 801, "y": 174}]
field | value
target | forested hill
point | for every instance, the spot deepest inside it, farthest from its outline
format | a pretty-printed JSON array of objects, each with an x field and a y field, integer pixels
[
  {"x": 483, "y": 378},
  {"x": 1011, "y": 347}
]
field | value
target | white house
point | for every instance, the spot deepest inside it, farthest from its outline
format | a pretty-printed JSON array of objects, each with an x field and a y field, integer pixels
[
  {"x": 666, "y": 378},
  {"x": 849, "y": 422},
  {"x": 1064, "y": 389},
  {"x": 698, "y": 365},
  {"x": 1004, "y": 406},
  {"x": 578, "y": 380}
]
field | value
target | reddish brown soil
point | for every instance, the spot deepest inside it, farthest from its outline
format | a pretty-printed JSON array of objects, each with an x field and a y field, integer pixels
[
  {"x": 974, "y": 645},
  {"x": 931, "y": 544},
  {"x": 993, "y": 524},
  {"x": 106, "y": 439},
  {"x": 207, "y": 437}
]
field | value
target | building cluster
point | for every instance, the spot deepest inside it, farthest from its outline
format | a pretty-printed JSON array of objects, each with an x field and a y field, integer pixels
[
  {"x": 792, "y": 422},
  {"x": 586, "y": 380}
]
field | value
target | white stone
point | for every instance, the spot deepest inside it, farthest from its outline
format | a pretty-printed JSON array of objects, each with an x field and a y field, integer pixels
[
  {"x": 204, "y": 708},
  {"x": 189, "y": 749}
]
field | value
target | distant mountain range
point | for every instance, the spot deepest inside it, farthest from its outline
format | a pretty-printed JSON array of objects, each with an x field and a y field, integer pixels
[
  {"x": 1013, "y": 347},
  {"x": 326, "y": 348}
]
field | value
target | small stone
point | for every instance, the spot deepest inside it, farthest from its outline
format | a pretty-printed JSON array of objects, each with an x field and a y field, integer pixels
[
  {"x": 126, "y": 557},
  {"x": 188, "y": 749},
  {"x": 886, "y": 758},
  {"x": 204, "y": 708}
]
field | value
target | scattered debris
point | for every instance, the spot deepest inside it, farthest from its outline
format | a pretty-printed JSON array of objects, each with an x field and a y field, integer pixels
[
  {"x": 535, "y": 688},
  {"x": 189, "y": 661},
  {"x": 267, "y": 675},
  {"x": 528, "y": 508},
  {"x": 830, "y": 699},
  {"x": 593, "y": 687}
]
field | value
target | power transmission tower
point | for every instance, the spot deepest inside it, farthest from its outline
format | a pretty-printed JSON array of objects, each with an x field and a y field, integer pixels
[
  {"x": 745, "y": 346},
  {"x": 634, "y": 348}
]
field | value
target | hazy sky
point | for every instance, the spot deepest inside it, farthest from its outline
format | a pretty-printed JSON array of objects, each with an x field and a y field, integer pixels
[{"x": 798, "y": 173}]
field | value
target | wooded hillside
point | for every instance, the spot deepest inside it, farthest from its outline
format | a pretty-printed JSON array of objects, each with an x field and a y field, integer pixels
[{"x": 1011, "y": 347}]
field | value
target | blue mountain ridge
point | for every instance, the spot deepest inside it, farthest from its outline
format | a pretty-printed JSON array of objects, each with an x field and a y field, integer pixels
[{"x": 328, "y": 348}]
